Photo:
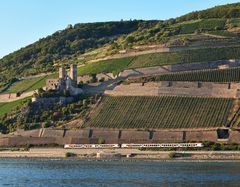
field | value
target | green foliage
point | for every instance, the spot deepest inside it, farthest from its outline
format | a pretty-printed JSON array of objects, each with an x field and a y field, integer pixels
[
  {"x": 6, "y": 108},
  {"x": 30, "y": 84},
  {"x": 223, "y": 11},
  {"x": 45, "y": 124},
  {"x": 106, "y": 66},
  {"x": 70, "y": 154},
  {"x": 101, "y": 140},
  {"x": 202, "y": 25},
  {"x": 223, "y": 75},
  {"x": 172, "y": 155},
  {"x": 160, "y": 112},
  {"x": 62, "y": 45}
]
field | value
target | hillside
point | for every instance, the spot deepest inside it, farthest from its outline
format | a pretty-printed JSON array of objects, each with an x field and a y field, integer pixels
[
  {"x": 68, "y": 45},
  {"x": 114, "y": 47},
  {"x": 64, "y": 45}
]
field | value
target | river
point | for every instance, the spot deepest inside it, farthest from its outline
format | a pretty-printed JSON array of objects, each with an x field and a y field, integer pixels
[{"x": 79, "y": 172}]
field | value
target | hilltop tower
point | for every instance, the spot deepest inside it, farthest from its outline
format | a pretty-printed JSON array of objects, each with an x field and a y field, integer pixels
[
  {"x": 62, "y": 73},
  {"x": 73, "y": 74}
]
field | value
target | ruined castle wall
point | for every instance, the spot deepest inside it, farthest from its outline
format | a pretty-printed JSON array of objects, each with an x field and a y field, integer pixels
[
  {"x": 51, "y": 84},
  {"x": 84, "y": 78}
]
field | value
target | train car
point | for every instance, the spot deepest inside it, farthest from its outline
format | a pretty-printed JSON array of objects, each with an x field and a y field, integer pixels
[
  {"x": 136, "y": 146},
  {"x": 163, "y": 145},
  {"x": 91, "y": 146}
]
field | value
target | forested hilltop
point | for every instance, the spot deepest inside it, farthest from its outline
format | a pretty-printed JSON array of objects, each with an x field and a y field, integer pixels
[
  {"x": 62, "y": 45},
  {"x": 69, "y": 44}
]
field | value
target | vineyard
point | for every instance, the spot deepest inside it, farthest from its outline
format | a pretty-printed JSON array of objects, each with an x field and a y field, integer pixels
[
  {"x": 107, "y": 66},
  {"x": 186, "y": 56},
  {"x": 160, "y": 112},
  {"x": 207, "y": 24},
  {"x": 224, "y": 75}
]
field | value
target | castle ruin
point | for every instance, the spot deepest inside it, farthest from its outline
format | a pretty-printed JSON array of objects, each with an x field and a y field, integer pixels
[{"x": 65, "y": 81}]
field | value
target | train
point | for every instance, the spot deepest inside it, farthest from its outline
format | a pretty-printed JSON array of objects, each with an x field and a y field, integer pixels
[{"x": 124, "y": 145}]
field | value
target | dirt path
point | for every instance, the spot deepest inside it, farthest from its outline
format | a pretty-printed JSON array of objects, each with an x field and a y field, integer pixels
[{"x": 91, "y": 153}]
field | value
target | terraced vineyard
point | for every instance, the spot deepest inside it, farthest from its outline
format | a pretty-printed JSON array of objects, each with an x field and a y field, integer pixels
[
  {"x": 160, "y": 112},
  {"x": 107, "y": 66},
  {"x": 226, "y": 75},
  {"x": 186, "y": 56}
]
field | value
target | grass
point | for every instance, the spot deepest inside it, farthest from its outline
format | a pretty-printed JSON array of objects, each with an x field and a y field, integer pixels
[
  {"x": 107, "y": 66},
  {"x": 9, "y": 106},
  {"x": 160, "y": 112},
  {"x": 31, "y": 84}
]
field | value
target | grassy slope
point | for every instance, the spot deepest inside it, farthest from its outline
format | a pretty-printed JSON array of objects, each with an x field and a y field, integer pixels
[
  {"x": 107, "y": 66},
  {"x": 30, "y": 84},
  {"x": 161, "y": 112},
  {"x": 7, "y": 107}
]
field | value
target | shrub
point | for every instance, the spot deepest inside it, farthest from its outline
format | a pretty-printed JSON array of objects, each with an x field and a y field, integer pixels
[
  {"x": 45, "y": 125},
  {"x": 172, "y": 155},
  {"x": 101, "y": 140},
  {"x": 69, "y": 154}
]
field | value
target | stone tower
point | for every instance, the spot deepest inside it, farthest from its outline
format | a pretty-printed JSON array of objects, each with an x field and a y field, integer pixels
[
  {"x": 73, "y": 74},
  {"x": 62, "y": 73}
]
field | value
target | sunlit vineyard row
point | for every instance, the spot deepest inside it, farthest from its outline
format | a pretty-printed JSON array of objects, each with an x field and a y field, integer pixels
[
  {"x": 223, "y": 75},
  {"x": 161, "y": 112}
]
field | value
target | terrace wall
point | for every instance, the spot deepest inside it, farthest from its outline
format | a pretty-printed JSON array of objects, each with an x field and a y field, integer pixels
[
  {"x": 167, "y": 136},
  {"x": 179, "y": 67},
  {"x": 84, "y": 136},
  {"x": 201, "y": 136},
  {"x": 234, "y": 137},
  {"x": 177, "y": 88}
]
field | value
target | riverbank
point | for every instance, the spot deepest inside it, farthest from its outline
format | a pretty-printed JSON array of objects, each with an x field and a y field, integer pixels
[{"x": 121, "y": 153}]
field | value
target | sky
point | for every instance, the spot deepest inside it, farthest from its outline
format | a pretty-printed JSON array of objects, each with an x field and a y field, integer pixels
[{"x": 23, "y": 22}]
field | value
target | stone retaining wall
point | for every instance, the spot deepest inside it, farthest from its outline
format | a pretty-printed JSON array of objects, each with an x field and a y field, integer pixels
[
  {"x": 84, "y": 136},
  {"x": 177, "y": 88}
]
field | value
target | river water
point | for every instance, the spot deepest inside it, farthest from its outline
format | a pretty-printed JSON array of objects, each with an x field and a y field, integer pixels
[{"x": 78, "y": 172}]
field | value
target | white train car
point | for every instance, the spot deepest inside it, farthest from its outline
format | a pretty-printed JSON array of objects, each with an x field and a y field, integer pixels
[
  {"x": 91, "y": 146},
  {"x": 108, "y": 146},
  {"x": 162, "y": 145}
]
